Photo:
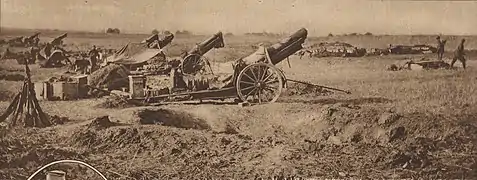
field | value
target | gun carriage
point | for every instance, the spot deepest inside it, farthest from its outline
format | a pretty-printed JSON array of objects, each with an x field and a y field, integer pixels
[
  {"x": 255, "y": 79},
  {"x": 52, "y": 55}
]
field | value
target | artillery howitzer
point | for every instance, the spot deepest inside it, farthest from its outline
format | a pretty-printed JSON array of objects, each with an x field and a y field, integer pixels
[
  {"x": 52, "y": 54},
  {"x": 157, "y": 43},
  {"x": 255, "y": 79},
  {"x": 22, "y": 41},
  {"x": 32, "y": 40},
  {"x": 191, "y": 62},
  {"x": 15, "y": 42},
  {"x": 19, "y": 52},
  {"x": 194, "y": 60}
]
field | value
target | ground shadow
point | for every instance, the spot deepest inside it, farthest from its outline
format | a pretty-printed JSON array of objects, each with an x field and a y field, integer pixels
[
  {"x": 355, "y": 101},
  {"x": 210, "y": 102},
  {"x": 172, "y": 118}
]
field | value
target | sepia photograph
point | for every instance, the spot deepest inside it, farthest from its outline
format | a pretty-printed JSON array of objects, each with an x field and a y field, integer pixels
[{"x": 238, "y": 89}]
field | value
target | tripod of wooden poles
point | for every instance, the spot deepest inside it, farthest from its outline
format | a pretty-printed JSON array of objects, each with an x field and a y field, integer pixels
[{"x": 25, "y": 110}]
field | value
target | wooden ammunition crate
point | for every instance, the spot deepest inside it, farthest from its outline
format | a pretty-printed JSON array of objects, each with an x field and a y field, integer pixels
[{"x": 65, "y": 91}]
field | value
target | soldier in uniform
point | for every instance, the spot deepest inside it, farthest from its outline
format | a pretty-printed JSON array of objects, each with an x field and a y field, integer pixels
[
  {"x": 459, "y": 54},
  {"x": 93, "y": 58},
  {"x": 440, "y": 47}
]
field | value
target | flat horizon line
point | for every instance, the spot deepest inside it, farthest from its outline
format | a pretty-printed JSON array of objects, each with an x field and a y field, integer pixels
[{"x": 2, "y": 28}]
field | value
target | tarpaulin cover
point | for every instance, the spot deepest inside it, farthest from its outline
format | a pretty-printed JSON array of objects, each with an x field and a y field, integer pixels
[{"x": 134, "y": 53}]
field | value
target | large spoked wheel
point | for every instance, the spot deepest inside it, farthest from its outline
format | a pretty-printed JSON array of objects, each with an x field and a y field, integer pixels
[
  {"x": 194, "y": 64},
  {"x": 259, "y": 83}
]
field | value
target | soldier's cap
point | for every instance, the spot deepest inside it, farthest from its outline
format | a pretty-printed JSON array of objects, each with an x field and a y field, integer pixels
[{"x": 438, "y": 37}]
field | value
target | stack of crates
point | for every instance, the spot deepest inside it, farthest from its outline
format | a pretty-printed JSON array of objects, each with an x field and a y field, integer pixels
[
  {"x": 137, "y": 86},
  {"x": 63, "y": 90},
  {"x": 82, "y": 81}
]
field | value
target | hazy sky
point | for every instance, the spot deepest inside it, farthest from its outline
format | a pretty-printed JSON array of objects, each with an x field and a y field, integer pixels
[{"x": 320, "y": 17}]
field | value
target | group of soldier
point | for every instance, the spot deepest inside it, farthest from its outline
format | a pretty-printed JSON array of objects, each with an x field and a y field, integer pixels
[{"x": 458, "y": 53}]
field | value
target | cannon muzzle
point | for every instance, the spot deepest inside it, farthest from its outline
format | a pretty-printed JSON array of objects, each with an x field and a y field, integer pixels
[
  {"x": 281, "y": 50},
  {"x": 216, "y": 41}
]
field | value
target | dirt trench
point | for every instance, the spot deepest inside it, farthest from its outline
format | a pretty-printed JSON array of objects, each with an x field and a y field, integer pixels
[{"x": 333, "y": 141}]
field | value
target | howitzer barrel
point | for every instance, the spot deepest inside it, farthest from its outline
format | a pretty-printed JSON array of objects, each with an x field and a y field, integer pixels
[
  {"x": 167, "y": 40},
  {"x": 34, "y": 35},
  {"x": 151, "y": 38},
  {"x": 162, "y": 42},
  {"x": 208, "y": 44},
  {"x": 281, "y": 50},
  {"x": 57, "y": 40}
]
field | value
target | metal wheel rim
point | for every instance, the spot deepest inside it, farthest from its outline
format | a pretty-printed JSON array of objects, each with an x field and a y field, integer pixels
[
  {"x": 191, "y": 62},
  {"x": 266, "y": 76}
]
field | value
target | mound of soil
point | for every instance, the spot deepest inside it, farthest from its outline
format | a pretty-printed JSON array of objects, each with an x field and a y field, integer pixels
[
  {"x": 115, "y": 102},
  {"x": 304, "y": 89},
  {"x": 102, "y": 122},
  {"x": 112, "y": 77},
  {"x": 107, "y": 139}
]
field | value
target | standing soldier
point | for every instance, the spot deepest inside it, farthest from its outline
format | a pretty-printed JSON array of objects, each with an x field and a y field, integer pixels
[
  {"x": 93, "y": 58},
  {"x": 440, "y": 47},
  {"x": 459, "y": 54}
]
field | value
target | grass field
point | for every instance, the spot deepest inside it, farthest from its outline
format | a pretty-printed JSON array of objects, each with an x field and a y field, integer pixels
[{"x": 308, "y": 135}]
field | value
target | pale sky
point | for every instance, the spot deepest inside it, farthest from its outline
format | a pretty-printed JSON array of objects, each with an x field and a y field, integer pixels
[{"x": 320, "y": 17}]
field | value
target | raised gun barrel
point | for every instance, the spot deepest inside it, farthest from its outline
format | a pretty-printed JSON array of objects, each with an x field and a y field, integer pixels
[
  {"x": 151, "y": 38},
  {"x": 166, "y": 40},
  {"x": 281, "y": 50},
  {"x": 34, "y": 35},
  {"x": 216, "y": 41},
  {"x": 162, "y": 42},
  {"x": 57, "y": 40}
]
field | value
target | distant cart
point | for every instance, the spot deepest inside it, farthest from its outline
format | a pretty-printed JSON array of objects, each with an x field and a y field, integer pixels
[{"x": 255, "y": 79}]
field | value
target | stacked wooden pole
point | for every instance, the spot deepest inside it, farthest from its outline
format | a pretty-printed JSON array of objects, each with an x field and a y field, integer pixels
[{"x": 25, "y": 110}]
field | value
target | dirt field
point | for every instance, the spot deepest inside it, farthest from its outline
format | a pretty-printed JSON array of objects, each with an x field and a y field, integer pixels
[{"x": 404, "y": 124}]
